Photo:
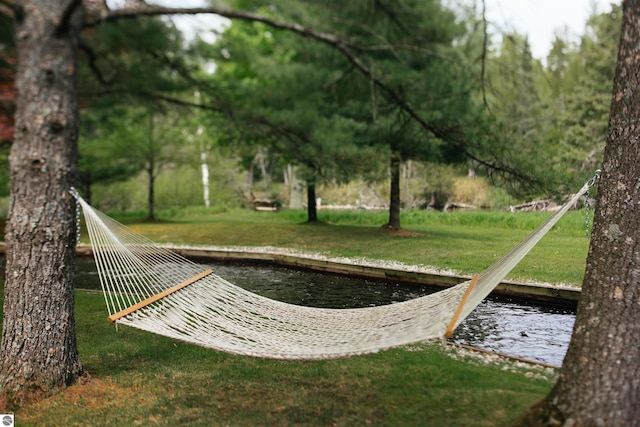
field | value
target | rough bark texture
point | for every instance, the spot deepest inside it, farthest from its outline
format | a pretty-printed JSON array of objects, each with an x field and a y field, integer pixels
[
  {"x": 394, "y": 202},
  {"x": 39, "y": 350},
  {"x": 599, "y": 384}
]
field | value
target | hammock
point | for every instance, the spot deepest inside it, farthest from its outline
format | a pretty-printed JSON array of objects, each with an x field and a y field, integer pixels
[{"x": 156, "y": 290}]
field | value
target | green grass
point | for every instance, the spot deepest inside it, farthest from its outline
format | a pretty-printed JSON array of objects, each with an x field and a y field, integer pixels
[
  {"x": 465, "y": 242},
  {"x": 142, "y": 379}
]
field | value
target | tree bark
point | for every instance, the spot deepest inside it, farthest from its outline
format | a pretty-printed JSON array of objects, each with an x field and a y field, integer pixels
[
  {"x": 312, "y": 211},
  {"x": 599, "y": 383},
  {"x": 204, "y": 170},
  {"x": 39, "y": 352},
  {"x": 394, "y": 199},
  {"x": 151, "y": 170},
  {"x": 151, "y": 194}
]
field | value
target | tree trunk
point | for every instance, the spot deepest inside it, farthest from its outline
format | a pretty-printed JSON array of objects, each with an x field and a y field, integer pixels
[
  {"x": 151, "y": 170},
  {"x": 39, "y": 352},
  {"x": 312, "y": 211},
  {"x": 204, "y": 168},
  {"x": 599, "y": 384},
  {"x": 394, "y": 202},
  {"x": 151, "y": 195},
  {"x": 296, "y": 188}
]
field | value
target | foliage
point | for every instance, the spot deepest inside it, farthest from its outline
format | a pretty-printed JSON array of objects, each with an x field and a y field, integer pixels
[
  {"x": 554, "y": 115},
  {"x": 319, "y": 109},
  {"x": 590, "y": 75},
  {"x": 126, "y": 66},
  {"x": 131, "y": 61},
  {"x": 312, "y": 108},
  {"x": 276, "y": 83},
  {"x": 512, "y": 95},
  {"x": 104, "y": 150},
  {"x": 178, "y": 187}
]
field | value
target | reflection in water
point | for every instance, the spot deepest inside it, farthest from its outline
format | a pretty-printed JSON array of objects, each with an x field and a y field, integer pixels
[{"x": 527, "y": 331}]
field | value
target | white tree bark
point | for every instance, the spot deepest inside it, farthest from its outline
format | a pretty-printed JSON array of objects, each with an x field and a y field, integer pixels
[
  {"x": 204, "y": 167},
  {"x": 205, "y": 178}
]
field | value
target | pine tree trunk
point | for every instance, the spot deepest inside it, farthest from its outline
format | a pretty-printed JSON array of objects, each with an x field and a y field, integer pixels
[
  {"x": 151, "y": 170},
  {"x": 599, "y": 384},
  {"x": 312, "y": 211},
  {"x": 151, "y": 195},
  {"x": 39, "y": 352},
  {"x": 394, "y": 202}
]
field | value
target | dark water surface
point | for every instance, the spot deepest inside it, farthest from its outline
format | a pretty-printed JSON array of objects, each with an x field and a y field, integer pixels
[{"x": 532, "y": 332}]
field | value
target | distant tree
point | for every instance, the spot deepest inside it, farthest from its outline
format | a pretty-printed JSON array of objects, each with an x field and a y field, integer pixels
[
  {"x": 200, "y": 140},
  {"x": 553, "y": 116},
  {"x": 514, "y": 96},
  {"x": 156, "y": 150},
  {"x": 132, "y": 77},
  {"x": 512, "y": 82},
  {"x": 589, "y": 74},
  {"x": 106, "y": 137},
  {"x": 276, "y": 89},
  {"x": 322, "y": 113}
]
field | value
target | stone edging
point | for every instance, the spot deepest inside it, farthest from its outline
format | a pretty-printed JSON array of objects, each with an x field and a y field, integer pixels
[
  {"x": 378, "y": 270},
  {"x": 366, "y": 268}
]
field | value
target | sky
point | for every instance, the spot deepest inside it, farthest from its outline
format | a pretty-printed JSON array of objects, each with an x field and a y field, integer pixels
[{"x": 540, "y": 19}]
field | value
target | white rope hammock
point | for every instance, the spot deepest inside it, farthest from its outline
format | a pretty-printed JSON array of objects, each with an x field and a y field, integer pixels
[{"x": 156, "y": 290}]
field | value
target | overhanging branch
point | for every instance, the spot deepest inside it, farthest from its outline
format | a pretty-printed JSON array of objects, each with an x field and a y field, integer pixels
[
  {"x": 93, "y": 65},
  {"x": 164, "y": 98},
  {"x": 67, "y": 13},
  {"x": 8, "y": 9},
  {"x": 345, "y": 47}
]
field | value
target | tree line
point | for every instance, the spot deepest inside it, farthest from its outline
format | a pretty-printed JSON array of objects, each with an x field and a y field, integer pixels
[{"x": 373, "y": 87}]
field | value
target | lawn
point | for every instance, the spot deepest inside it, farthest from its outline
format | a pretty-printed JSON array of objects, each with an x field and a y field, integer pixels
[
  {"x": 464, "y": 242},
  {"x": 141, "y": 379},
  {"x": 138, "y": 378}
]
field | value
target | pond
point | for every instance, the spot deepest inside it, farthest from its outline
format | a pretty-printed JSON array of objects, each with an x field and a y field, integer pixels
[{"x": 529, "y": 331}]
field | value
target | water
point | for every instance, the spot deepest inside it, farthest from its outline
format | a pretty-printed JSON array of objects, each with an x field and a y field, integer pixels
[{"x": 528, "y": 331}]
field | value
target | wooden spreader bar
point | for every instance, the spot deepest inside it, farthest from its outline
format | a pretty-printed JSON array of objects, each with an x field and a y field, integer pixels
[
  {"x": 158, "y": 296},
  {"x": 451, "y": 327}
]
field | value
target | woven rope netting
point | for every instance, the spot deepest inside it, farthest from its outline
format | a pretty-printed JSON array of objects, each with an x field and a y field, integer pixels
[{"x": 153, "y": 289}]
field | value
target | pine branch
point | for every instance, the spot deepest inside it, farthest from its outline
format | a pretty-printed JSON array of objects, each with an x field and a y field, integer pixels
[
  {"x": 65, "y": 19},
  {"x": 8, "y": 9},
  {"x": 342, "y": 45},
  {"x": 345, "y": 47},
  {"x": 93, "y": 65}
]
